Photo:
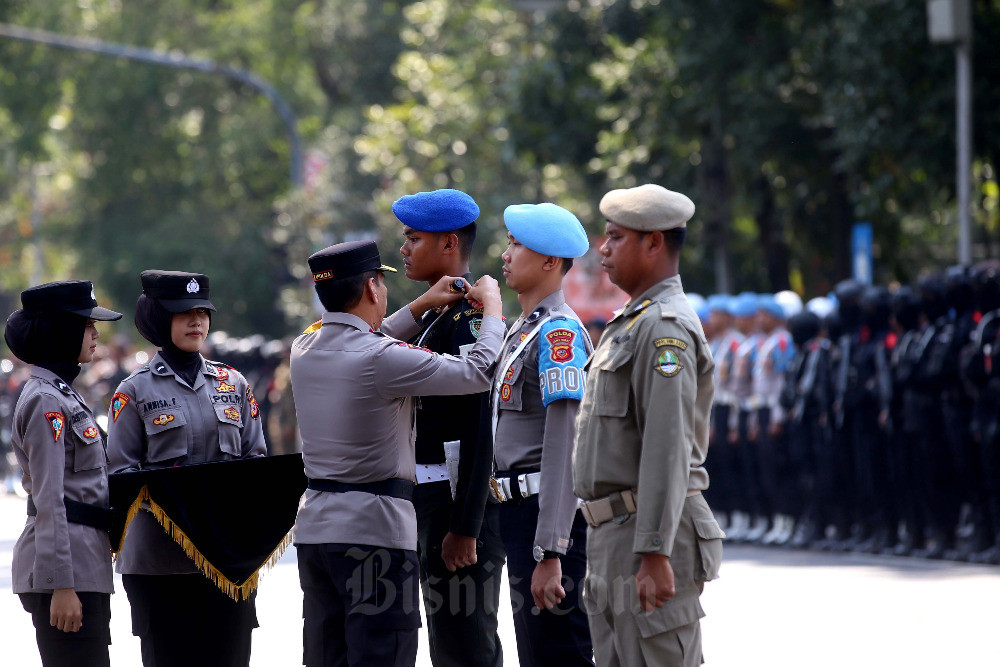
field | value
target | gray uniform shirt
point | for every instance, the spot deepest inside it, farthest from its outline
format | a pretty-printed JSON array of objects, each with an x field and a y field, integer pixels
[
  {"x": 644, "y": 419},
  {"x": 354, "y": 391},
  {"x": 531, "y": 436},
  {"x": 158, "y": 421},
  {"x": 60, "y": 449}
]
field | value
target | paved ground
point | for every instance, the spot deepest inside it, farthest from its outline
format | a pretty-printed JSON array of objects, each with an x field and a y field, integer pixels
[{"x": 771, "y": 608}]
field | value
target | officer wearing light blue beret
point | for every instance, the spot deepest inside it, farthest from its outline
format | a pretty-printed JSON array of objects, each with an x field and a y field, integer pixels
[{"x": 537, "y": 387}]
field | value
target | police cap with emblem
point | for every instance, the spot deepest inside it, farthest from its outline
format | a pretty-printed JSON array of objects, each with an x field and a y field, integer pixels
[
  {"x": 438, "y": 211},
  {"x": 50, "y": 326},
  {"x": 344, "y": 260},
  {"x": 647, "y": 208},
  {"x": 177, "y": 291},
  {"x": 547, "y": 229}
]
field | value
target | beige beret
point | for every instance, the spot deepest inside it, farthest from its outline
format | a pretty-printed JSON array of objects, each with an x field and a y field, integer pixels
[{"x": 647, "y": 208}]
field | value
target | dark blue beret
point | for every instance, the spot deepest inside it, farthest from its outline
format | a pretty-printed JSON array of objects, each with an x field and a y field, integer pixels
[{"x": 438, "y": 211}]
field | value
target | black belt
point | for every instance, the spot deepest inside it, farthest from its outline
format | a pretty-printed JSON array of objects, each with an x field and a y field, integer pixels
[
  {"x": 395, "y": 487},
  {"x": 82, "y": 513}
]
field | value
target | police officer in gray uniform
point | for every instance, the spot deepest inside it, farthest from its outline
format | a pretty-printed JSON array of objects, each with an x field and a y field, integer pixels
[
  {"x": 180, "y": 409},
  {"x": 62, "y": 560},
  {"x": 536, "y": 391},
  {"x": 641, "y": 445},
  {"x": 354, "y": 390}
]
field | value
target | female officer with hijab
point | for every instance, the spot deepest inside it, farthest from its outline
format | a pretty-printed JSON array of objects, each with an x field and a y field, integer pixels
[
  {"x": 62, "y": 561},
  {"x": 180, "y": 409}
]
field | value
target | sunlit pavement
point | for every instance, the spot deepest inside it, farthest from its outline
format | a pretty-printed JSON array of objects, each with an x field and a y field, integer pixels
[{"x": 772, "y": 607}]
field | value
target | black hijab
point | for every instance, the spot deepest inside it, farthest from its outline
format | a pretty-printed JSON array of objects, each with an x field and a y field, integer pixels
[
  {"x": 154, "y": 321},
  {"x": 52, "y": 341}
]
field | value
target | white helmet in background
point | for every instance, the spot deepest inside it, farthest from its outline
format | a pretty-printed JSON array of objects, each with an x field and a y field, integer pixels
[
  {"x": 789, "y": 301},
  {"x": 821, "y": 306}
]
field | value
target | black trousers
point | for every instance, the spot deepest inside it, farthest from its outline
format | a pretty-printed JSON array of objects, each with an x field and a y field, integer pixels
[
  {"x": 87, "y": 647},
  {"x": 461, "y": 606},
  {"x": 184, "y": 620},
  {"x": 560, "y": 636},
  {"x": 360, "y": 605}
]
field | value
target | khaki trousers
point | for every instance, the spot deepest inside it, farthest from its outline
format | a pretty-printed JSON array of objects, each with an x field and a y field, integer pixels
[{"x": 622, "y": 632}]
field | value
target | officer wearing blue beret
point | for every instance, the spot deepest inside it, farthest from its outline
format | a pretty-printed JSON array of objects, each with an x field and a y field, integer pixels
[
  {"x": 458, "y": 543},
  {"x": 537, "y": 387}
]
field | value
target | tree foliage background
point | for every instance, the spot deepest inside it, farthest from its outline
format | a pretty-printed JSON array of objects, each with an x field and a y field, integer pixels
[{"x": 785, "y": 120}]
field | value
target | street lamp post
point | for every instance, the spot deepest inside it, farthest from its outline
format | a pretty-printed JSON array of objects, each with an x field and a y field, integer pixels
[
  {"x": 177, "y": 60},
  {"x": 950, "y": 22}
]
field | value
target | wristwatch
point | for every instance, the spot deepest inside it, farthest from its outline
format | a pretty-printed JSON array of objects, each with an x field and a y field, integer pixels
[{"x": 541, "y": 554}]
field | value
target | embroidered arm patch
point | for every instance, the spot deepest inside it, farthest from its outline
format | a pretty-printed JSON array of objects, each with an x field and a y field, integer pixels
[
  {"x": 57, "y": 422},
  {"x": 561, "y": 356},
  {"x": 118, "y": 404}
]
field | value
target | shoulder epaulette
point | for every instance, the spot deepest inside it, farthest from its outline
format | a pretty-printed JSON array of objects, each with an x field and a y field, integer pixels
[
  {"x": 315, "y": 326},
  {"x": 142, "y": 369}
]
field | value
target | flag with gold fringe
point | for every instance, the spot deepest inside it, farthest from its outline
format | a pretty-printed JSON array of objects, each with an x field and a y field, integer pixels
[{"x": 232, "y": 518}]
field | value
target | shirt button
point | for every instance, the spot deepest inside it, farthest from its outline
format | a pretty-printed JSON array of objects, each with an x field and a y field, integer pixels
[
  {"x": 49, "y": 580},
  {"x": 656, "y": 541}
]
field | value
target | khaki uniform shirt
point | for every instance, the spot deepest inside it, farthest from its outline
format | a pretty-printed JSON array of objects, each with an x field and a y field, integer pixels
[
  {"x": 644, "y": 419},
  {"x": 157, "y": 421},
  {"x": 531, "y": 436},
  {"x": 354, "y": 392},
  {"x": 61, "y": 451}
]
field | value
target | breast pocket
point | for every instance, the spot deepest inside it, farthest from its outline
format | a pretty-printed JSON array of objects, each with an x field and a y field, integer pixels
[
  {"x": 230, "y": 427},
  {"x": 613, "y": 383},
  {"x": 88, "y": 449},
  {"x": 510, "y": 388},
  {"x": 165, "y": 434}
]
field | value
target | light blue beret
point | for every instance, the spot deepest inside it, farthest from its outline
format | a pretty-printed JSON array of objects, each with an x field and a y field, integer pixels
[
  {"x": 437, "y": 211},
  {"x": 745, "y": 305},
  {"x": 547, "y": 229},
  {"x": 770, "y": 305},
  {"x": 720, "y": 302}
]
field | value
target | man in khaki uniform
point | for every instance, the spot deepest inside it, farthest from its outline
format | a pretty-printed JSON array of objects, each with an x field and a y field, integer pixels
[{"x": 642, "y": 437}]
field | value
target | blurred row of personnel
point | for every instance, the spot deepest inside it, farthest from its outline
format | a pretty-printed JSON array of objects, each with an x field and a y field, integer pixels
[{"x": 864, "y": 421}]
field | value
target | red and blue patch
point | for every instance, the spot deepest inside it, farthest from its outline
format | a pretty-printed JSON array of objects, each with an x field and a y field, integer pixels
[{"x": 57, "y": 422}]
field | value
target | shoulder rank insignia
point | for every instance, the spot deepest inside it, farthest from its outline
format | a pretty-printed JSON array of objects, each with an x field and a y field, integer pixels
[
  {"x": 315, "y": 326},
  {"x": 224, "y": 388},
  {"x": 667, "y": 363},
  {"x": 163, "y": 419},
  {"x": 415, "y": 347},
  {"x": 118, "y": 404},
  {"x": 57, "y": 422},
  {"x": 91, "y": 432},
  {"x": 233, "y": 414},
  {"x": 254, "y": 408},
  {"x": 505, "y": 393},
  {"x": 221, "y": 374}
]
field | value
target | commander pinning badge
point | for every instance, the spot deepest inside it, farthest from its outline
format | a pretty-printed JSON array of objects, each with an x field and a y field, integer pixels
[{"x": 668, "y": 364}]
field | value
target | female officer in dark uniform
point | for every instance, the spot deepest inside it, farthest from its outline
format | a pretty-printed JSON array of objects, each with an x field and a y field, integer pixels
[
  {"x": 180, "y": 409},
  {"x": 62, "y": 561}
]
